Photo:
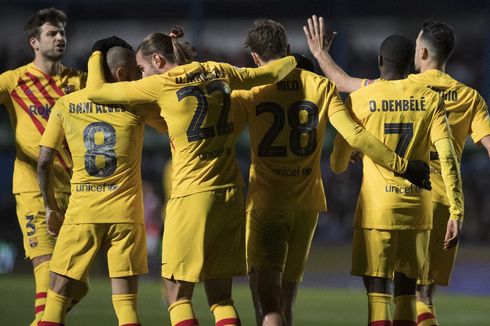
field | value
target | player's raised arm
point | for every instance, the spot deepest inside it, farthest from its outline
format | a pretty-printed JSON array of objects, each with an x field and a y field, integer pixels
[
  {"x": 319, "y": 44},
  {"x": 129, "y": 93},
  {"x": 247, "y": 78}
]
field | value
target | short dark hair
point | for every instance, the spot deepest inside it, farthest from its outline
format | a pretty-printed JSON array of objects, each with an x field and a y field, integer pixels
[
  {"x": 48, "y": 15},
  {"x": 440, "y": 37},
  {"x": 168, "y": 46},
  {"x": 268, "y": 39},
  {"x": 398, "y": 52}
]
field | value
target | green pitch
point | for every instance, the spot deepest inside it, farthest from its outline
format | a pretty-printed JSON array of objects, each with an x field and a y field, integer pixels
[{"x": 315, "y": 306}]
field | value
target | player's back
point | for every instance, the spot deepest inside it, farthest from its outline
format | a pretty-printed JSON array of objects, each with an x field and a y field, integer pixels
[
  {"x": 195, "y": 104},
  {"x": 287, "y": 122},
  {"x": 407, "y": 118},
  {"x": 467, "y": 114},
  {"x": 106, "y": 144},
  {"x": 29, "y": 94}
]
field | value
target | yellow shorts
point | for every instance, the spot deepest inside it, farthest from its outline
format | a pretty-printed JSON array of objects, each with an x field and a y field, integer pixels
[
  {"x": 78, "y": 244},
  {"x": 280, "y": 239},
  {"x": 31, "y": 215},
  {"x": 439, "y": 264},
  {"x": 379, "y": 253},
  {"x": 204, "y": 236}
]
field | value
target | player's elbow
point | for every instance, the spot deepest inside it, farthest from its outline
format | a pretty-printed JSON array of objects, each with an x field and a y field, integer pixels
[
  {"x": 45, "y": 160},
  {"x": 344, "y": 87},
  {"x": 43, "y": 164}
]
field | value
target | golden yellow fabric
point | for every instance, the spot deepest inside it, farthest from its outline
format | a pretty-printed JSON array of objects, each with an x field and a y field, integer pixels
[
  {"x": 106, "y": 143},
  {"x": 287, "y": 124},
  {"x": 378, "y": 253},
  {"x": 29, "y": 95},
  {"x": 204, "y": 236},
  {"x": 407, "y": 118},
  {"x": 124, "y": 245},
  {"x": 467, "y": 114},
  {"x": 195, "y": 101},
  {"x": 31, "y": 214}
]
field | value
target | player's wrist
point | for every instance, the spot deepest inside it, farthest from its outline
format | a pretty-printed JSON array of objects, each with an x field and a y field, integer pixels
[
  {"x": 456, "y": 217},
  {"x": 319, "y": 54},
  {"x": 52, "y": 208},
  {"x": 400, "y": 165}
]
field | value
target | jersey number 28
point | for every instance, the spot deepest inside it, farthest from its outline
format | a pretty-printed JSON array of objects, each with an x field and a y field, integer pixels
[{"x": 298, "y": 128}]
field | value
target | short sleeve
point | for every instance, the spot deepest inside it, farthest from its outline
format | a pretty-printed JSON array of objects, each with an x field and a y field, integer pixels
[
  {"x": 54, "y": 135},
  {"x": 480, "y": 124},
  {"x": 7, "y": 83}
]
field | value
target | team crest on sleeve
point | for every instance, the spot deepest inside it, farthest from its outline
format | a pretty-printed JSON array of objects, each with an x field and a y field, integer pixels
[{"x": 32, "y": 242}]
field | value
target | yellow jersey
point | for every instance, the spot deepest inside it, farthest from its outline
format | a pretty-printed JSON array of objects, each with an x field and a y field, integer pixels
[
  {"x": 29, "y": 95},
  {"x": 287, "y": 123},
  {"x": 407, "y": 118},
  {"x": 195, "y": 102},
  {"x": 106, "y": 143},
  {"x": 467, "y": 114}
]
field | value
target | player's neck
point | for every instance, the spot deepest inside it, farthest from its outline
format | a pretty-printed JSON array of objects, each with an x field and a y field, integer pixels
[
  {"x": 49, "y": 67},
  {"x": 433, "y": 65},
  {"x": 392, "y": 74},
  {"x": 264, "y": 62}
]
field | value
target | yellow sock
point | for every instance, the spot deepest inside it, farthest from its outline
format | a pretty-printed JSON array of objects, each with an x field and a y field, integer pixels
[
  {"x": 405, "y": 311},
  {"x": 181, "y": 314},
  {"x": 41, "y": 277},
  {"x": 55, "y": 311},
  {"x": 225, "y": 313},
  {"x": 125, "y": 306},
  {"x": 379, "y": 309},
  {"x": 426, "y": 315}
]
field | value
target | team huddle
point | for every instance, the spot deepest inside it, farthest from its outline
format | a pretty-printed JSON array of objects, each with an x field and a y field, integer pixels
[{"x": 77, "y": 174}]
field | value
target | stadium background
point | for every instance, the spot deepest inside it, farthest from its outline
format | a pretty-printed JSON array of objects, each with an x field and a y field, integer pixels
[{"x": 217, "y": 29}]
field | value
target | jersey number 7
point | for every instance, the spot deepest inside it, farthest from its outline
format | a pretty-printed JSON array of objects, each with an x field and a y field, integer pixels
[{"x": 405, "y": 130}]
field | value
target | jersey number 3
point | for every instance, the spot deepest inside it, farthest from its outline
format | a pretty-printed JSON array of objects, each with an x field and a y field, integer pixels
[{"x": 195, "y": 131}]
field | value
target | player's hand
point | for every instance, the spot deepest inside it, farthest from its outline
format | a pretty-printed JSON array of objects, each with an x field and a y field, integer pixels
[
  {"x": 453, "y": 233},
  {"x": 54, "y": 220},
  {"x": 356, "y": 157},
  {"x": 103, "y": 45},
  {"x": 318, "y": 42},
  {"x": 418, "y": 173}
]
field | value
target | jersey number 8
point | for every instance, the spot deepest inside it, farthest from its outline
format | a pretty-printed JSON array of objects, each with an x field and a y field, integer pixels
[{"x": 106, "y": 149}]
